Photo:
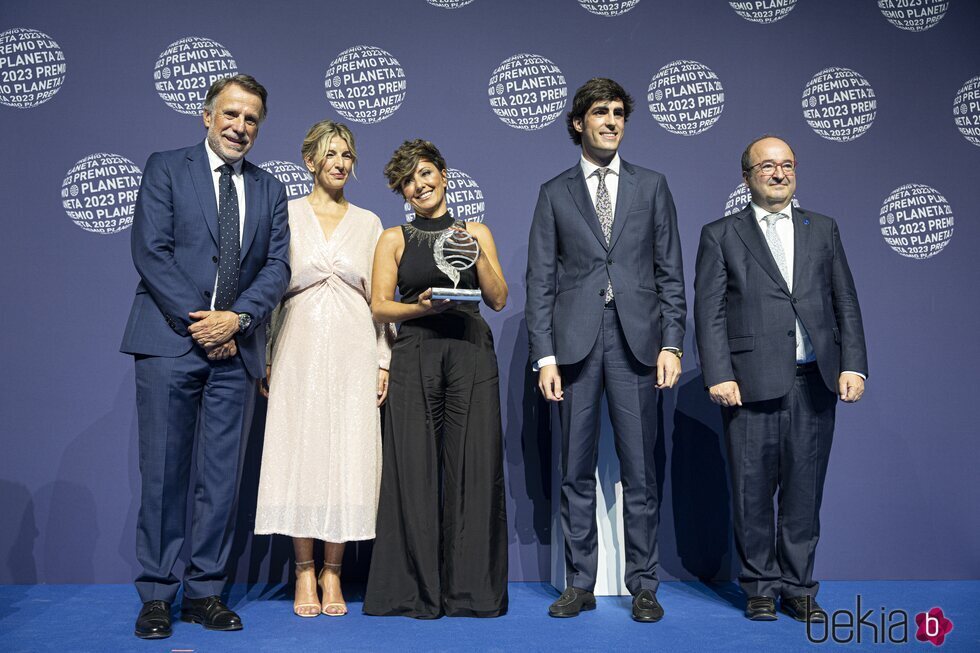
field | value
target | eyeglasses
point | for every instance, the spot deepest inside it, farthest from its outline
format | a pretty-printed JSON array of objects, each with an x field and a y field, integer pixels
[{"x": 768, "y": 168}]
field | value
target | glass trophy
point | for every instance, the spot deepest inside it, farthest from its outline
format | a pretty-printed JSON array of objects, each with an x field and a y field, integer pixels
[{"x": 454, "y": 251}]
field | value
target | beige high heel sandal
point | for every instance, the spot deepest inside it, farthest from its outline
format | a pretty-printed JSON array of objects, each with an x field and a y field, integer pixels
[
  {"x": 305, "y": 610},
  {"x": 331, "y": 609}
]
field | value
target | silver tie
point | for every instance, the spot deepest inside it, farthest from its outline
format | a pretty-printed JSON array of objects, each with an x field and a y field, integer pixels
[
  {"x": 776, "y": 245},
  {"x": 603, "y": 209}
]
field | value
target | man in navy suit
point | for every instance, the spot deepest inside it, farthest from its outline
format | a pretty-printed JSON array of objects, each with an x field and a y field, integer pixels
[
  {"x": 605, "y": 314},
  {"x": 780, "y": 338},
  {"x": 210, "y": 242}
]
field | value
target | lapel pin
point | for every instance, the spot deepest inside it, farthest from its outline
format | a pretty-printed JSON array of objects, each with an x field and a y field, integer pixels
[{"x": 806, "y": 220}]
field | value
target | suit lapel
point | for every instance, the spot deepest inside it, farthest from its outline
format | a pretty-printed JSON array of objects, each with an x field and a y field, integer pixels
[
  {"x": 580, "y": 195},
  {"x": 624, "y": 199},
  {"x": 801, "y": 246},
  {"x": 751, "y": 234},
  {"x": 252, "y": 204},
  {"x": 200, "y": 172}
]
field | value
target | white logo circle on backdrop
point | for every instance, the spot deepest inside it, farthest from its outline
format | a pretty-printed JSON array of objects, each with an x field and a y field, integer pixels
[
  {"x": 296, "y": 178},
  {"x": 527, "y": 91},
  {"x": 449, "y": 4},
  {"x": 365, "y": 84},
  {"x": 839, "y": 104},
  {"x": 99, "y": 192},
  {"x": 966, "y": 110},
  {"x": 186, "y": 69},
  {"x": 763, "y": 11},
  {"x": 686, "y": 97},
  {"x": 916, "y": 221},
  {"x": 741, "y": 196},
  {"x": 463, "y": 196},
  {"x": 913, "y": 15},
  {"x": 608, "y": 7},
  {"x": 32, "y": 67}
]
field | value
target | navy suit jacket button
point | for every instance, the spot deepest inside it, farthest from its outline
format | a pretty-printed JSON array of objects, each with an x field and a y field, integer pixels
[
  {"x": 790, "y": 334},
  {"x": 214, "y": 259},
  {"x": 207, "y": 294},
  {"x": 602, "y": 293}
]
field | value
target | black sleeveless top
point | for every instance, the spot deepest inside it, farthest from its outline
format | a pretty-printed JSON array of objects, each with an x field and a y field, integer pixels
[{"x": 417, "y": 271}]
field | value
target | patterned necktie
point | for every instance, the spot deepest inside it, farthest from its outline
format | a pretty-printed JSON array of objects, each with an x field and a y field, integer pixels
[
  {"x": 776, "y": 245},
  {"x": 229, "y": 247},
  {"x": 603, "y": 209}
]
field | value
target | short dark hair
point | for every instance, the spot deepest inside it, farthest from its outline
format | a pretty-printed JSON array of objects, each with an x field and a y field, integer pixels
[
  {"x": 405, "y": 160},
  {"x": 246, "y": 82},
  {"x": 597, "y": 89},
  {"x": 747, "y": 162}
]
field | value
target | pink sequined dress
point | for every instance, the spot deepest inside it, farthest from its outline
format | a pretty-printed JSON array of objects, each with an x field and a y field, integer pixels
[{"x": 321, "y": 461}]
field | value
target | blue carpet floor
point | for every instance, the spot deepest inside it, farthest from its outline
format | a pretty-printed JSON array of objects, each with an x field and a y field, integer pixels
[{"x": 699, "y": 617}]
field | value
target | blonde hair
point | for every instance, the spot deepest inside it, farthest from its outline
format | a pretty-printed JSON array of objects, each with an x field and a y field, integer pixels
[{"x": 317, "y": 143}]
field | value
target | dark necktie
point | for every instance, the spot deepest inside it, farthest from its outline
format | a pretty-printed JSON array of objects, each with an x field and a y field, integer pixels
[
  {"x": 603, "y": 209},
  {"x": 229, "y": 247}
]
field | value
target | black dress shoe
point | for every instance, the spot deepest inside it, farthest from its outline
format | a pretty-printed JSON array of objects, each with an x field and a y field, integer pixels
[
  {"x": 571, "y": 602},
  {"x": 646, "y": 608},
  {"x": 210, "y": 612},
  {"x": 760, "y": 608},
  {"x": 803, "y": 608},
  {"x": 154, "y": 620}
]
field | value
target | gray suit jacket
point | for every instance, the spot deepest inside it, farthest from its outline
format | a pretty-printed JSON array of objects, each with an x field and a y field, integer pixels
[
  {"x": 569, "y": 263},
  {"x": 745, "y": 315}
]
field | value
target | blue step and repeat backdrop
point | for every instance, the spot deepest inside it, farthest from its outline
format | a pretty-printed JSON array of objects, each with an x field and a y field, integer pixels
[{"x": 879, "y": 98}]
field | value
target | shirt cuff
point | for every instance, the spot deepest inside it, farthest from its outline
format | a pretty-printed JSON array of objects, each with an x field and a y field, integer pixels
[
  {"x": 855, "y": 373},
  {"x": 547, "y": 360}
]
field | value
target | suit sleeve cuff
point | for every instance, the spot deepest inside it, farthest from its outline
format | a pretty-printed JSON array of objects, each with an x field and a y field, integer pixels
[{"x": 541, "y": 362}]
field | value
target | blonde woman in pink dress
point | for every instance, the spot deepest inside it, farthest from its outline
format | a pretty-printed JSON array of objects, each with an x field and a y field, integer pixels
[{"x": 321, "y": 462}]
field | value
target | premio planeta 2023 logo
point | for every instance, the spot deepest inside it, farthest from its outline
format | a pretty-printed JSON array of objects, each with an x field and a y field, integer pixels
[
  {"x": 686, "y": 97},
  {"x": 99, "y": 193},
  {"x": 913, "y": 15},
  {"x": 296, "y": 178},
  {"x": 32, "y": 68},
  {"x": 185, "y": 70},
  {"x": 763, "y": 11},
  {"x": 839, "y": 104},
  {"x": 916, "y": 221},
  {"x": 527, "y": 91},
  {"x": 608, "y": 7},
  {"x": 365, "y": 84},
  {"x": 966, "y": 110}
]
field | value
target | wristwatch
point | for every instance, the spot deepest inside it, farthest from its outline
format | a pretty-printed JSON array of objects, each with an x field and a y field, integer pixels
[
  {"x": 675, "y": 351},
  {"x": 244, "y": 321}
]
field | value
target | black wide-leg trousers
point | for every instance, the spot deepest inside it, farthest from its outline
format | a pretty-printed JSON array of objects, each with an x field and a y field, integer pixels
[{"x": 441, "y": 546}]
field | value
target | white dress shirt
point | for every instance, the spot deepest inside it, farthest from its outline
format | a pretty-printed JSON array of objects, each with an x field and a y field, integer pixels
[
  {"x": 785, "y": 232},
  {"x": 592, "y": 179},
  {"x": 238, "y": 179}
]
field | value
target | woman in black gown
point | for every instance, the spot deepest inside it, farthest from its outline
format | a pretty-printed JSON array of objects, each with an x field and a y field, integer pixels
[{"x": 441, "y": 546}]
